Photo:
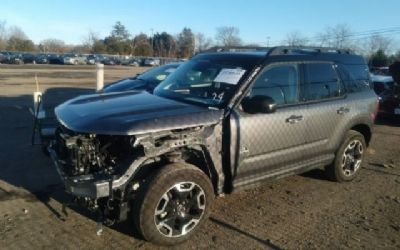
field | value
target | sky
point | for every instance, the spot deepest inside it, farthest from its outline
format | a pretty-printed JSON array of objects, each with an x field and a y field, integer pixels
[{"x": 259, "y": 21}]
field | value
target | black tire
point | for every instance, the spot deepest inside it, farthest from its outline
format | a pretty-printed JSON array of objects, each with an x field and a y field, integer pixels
[
  {"x": 346, "y": 168},
  {"x": 151, "y": 201}
]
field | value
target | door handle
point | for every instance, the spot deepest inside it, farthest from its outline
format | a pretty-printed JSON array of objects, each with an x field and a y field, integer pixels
[
  {"x": 294, "y": 119},
  {"x": 343, "y": 110}
]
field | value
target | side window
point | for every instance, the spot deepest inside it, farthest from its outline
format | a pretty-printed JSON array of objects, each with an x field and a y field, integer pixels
[
  {"x": 320, "y": 81},
  {"x": 355, "y": 77},
  {"x": 279, "y": 82}
]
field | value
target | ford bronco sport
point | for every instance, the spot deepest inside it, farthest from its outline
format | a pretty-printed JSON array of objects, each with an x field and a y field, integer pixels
[{"x": 222, "y": 121}]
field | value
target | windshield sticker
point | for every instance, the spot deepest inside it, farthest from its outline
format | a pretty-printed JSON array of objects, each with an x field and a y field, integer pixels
[
  {"x": 161, "y": 77},
  {"x": 231, "y": 76},
  {"x": 170, "y": 70}
]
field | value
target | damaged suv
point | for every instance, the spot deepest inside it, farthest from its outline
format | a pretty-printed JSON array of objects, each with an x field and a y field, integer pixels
[{"x": 223, "y": 121}]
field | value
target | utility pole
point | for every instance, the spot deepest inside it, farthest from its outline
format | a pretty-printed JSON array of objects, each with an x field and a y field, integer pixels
[{"x": 268, "y": 37}]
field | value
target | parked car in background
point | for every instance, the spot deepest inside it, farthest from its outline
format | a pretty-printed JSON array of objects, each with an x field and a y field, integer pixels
[
  {"x": 130, "y": 62},
  {"x": 134, "y": 63},
  {"x": 91, "y": 59},
  {"x": 125, "y": 59},
  {"x": 146, "y": 81},
  {"x": 74, "y": 59},
  {"x": 4, "y": 57},
  {"x": 389, "y": 102},
  {"x": 110, "y": 60},
  {"x": 28, "y": 58},
  {"x": 381, "y": 83},
  {"x": 383, "y": 71},
  {"x": 55, "y": 59},
  {"x": 41, "y": 59},
  {"x": 100, "y": 58},
  {"x": 16, "y": 58},
  {"x": 388, "y": 95},
  {"x": 151, "y": 62}
]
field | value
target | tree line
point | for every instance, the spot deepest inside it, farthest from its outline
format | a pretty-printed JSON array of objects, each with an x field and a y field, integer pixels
[
  {"x": 161, "y": 44},
  {"x": 375, "y": 45},
  {"x": 118, "y": 42}
]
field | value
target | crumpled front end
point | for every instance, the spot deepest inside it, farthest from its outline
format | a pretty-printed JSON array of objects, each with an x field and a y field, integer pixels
[
  {"x": 90, "y": 167},
  {"x": 104, "y": 172},
  {"x": 88, "y": 163}
]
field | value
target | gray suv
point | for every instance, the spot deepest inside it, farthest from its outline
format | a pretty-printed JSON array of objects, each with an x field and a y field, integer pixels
[{"x": 223, "y": 121}]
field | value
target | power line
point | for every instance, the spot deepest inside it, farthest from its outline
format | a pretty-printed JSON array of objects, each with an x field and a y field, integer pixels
[{"x": 351, "y": 36}]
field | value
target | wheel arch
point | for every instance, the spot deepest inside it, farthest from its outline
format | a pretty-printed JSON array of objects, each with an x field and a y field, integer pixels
[
  {"x": 365, "y": 130},
  {"x": 198, "y": 156}
]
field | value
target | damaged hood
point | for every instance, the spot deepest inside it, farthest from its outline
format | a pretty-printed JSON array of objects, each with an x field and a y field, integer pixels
[{"x": 128, "y": 113}]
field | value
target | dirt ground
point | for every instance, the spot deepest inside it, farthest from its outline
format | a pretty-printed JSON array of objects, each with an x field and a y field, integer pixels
[{"x": 299, "y": 212}]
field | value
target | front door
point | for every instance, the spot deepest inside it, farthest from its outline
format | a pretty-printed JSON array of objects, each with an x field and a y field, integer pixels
[{"x": 267, "y": 142}]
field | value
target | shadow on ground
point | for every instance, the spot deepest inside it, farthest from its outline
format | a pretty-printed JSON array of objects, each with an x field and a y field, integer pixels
[
  {"x": 23, "y": 165},
  {"x": 388, "y": 121}
]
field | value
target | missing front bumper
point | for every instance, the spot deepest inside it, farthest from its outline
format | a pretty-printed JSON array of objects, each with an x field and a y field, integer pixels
[{"x": 81, "y": 186}]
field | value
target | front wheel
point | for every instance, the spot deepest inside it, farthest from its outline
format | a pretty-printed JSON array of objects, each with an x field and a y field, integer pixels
[
  {"x": 349, "y": 158},
  {"x": 176, "y": 203}
]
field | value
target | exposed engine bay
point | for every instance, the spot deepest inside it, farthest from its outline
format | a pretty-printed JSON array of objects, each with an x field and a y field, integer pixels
[
  {"x": 91, "y": 154},
  {"x": 102, "y": 172}
]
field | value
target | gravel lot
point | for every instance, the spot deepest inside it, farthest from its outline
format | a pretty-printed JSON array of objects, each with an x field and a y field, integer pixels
[{"x": 299, "y": 212}]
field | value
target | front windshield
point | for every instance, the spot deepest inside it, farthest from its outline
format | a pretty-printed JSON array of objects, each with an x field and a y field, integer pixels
[
  {"x": 158, "y": 74},
  {"x": 206, "y": 80}
]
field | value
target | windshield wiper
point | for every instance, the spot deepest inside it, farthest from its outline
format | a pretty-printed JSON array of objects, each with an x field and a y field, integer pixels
[{"x": 195, "y": 100}]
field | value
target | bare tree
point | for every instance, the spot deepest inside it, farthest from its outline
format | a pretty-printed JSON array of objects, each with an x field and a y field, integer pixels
[
  {"x": 295, "y": 38},
  {"x": 3, "y": 29},
  {"x": 3, "y": 37},
  {"x": 52, "y": 45},
  {"x": 228, "y": 36},
  {"x": 142, "y": 45},
  {"x": 377, "y": 42},
  {"x": 338, "y": 36},
  {"x": 16, "y": 32},
  {"x": 164, "y": 45},
  {"x": 202, "y": 42},
  {"x": 18, "y": 44},
  {"x": 186, "y": 43},
  {"x": 89, "y": 40}
]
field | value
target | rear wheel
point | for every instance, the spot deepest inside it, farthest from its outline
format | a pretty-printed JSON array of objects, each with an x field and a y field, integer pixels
[
  {"x": 348, "y": 159},
  {"x": 174, "y": 205}
]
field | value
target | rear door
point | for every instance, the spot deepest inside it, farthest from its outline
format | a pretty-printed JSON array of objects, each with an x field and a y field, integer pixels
[{"x": 326, "y": 106}]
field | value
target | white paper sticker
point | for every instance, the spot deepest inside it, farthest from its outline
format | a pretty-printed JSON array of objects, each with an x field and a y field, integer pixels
[
  {"x": 231, "y": 76},
  {"x": 170, "y": 70}
]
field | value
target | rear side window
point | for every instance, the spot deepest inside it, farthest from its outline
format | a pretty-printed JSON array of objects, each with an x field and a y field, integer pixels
[
  {"x": 320, "y": 81},
  {"x": 355, "y": 77}
]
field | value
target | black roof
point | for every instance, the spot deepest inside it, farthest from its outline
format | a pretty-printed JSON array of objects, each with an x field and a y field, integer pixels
[
  {"x": 255, "y": 57},
  {"x": 283, "y": 53}
]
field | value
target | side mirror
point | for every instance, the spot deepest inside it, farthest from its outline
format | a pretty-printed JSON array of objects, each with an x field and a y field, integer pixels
[{"x": 259, "y": 104}]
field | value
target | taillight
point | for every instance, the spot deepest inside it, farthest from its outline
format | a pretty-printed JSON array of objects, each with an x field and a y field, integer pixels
[{"x": 375, "y": 112}]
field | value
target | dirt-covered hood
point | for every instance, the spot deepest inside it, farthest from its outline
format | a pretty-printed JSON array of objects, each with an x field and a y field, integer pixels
[{"x": 131, "y": 113}]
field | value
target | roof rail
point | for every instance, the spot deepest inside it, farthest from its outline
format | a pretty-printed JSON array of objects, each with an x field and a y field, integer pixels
[
  {"x": 237, "y": 49},
  {"x": 285, "y": 50}
]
